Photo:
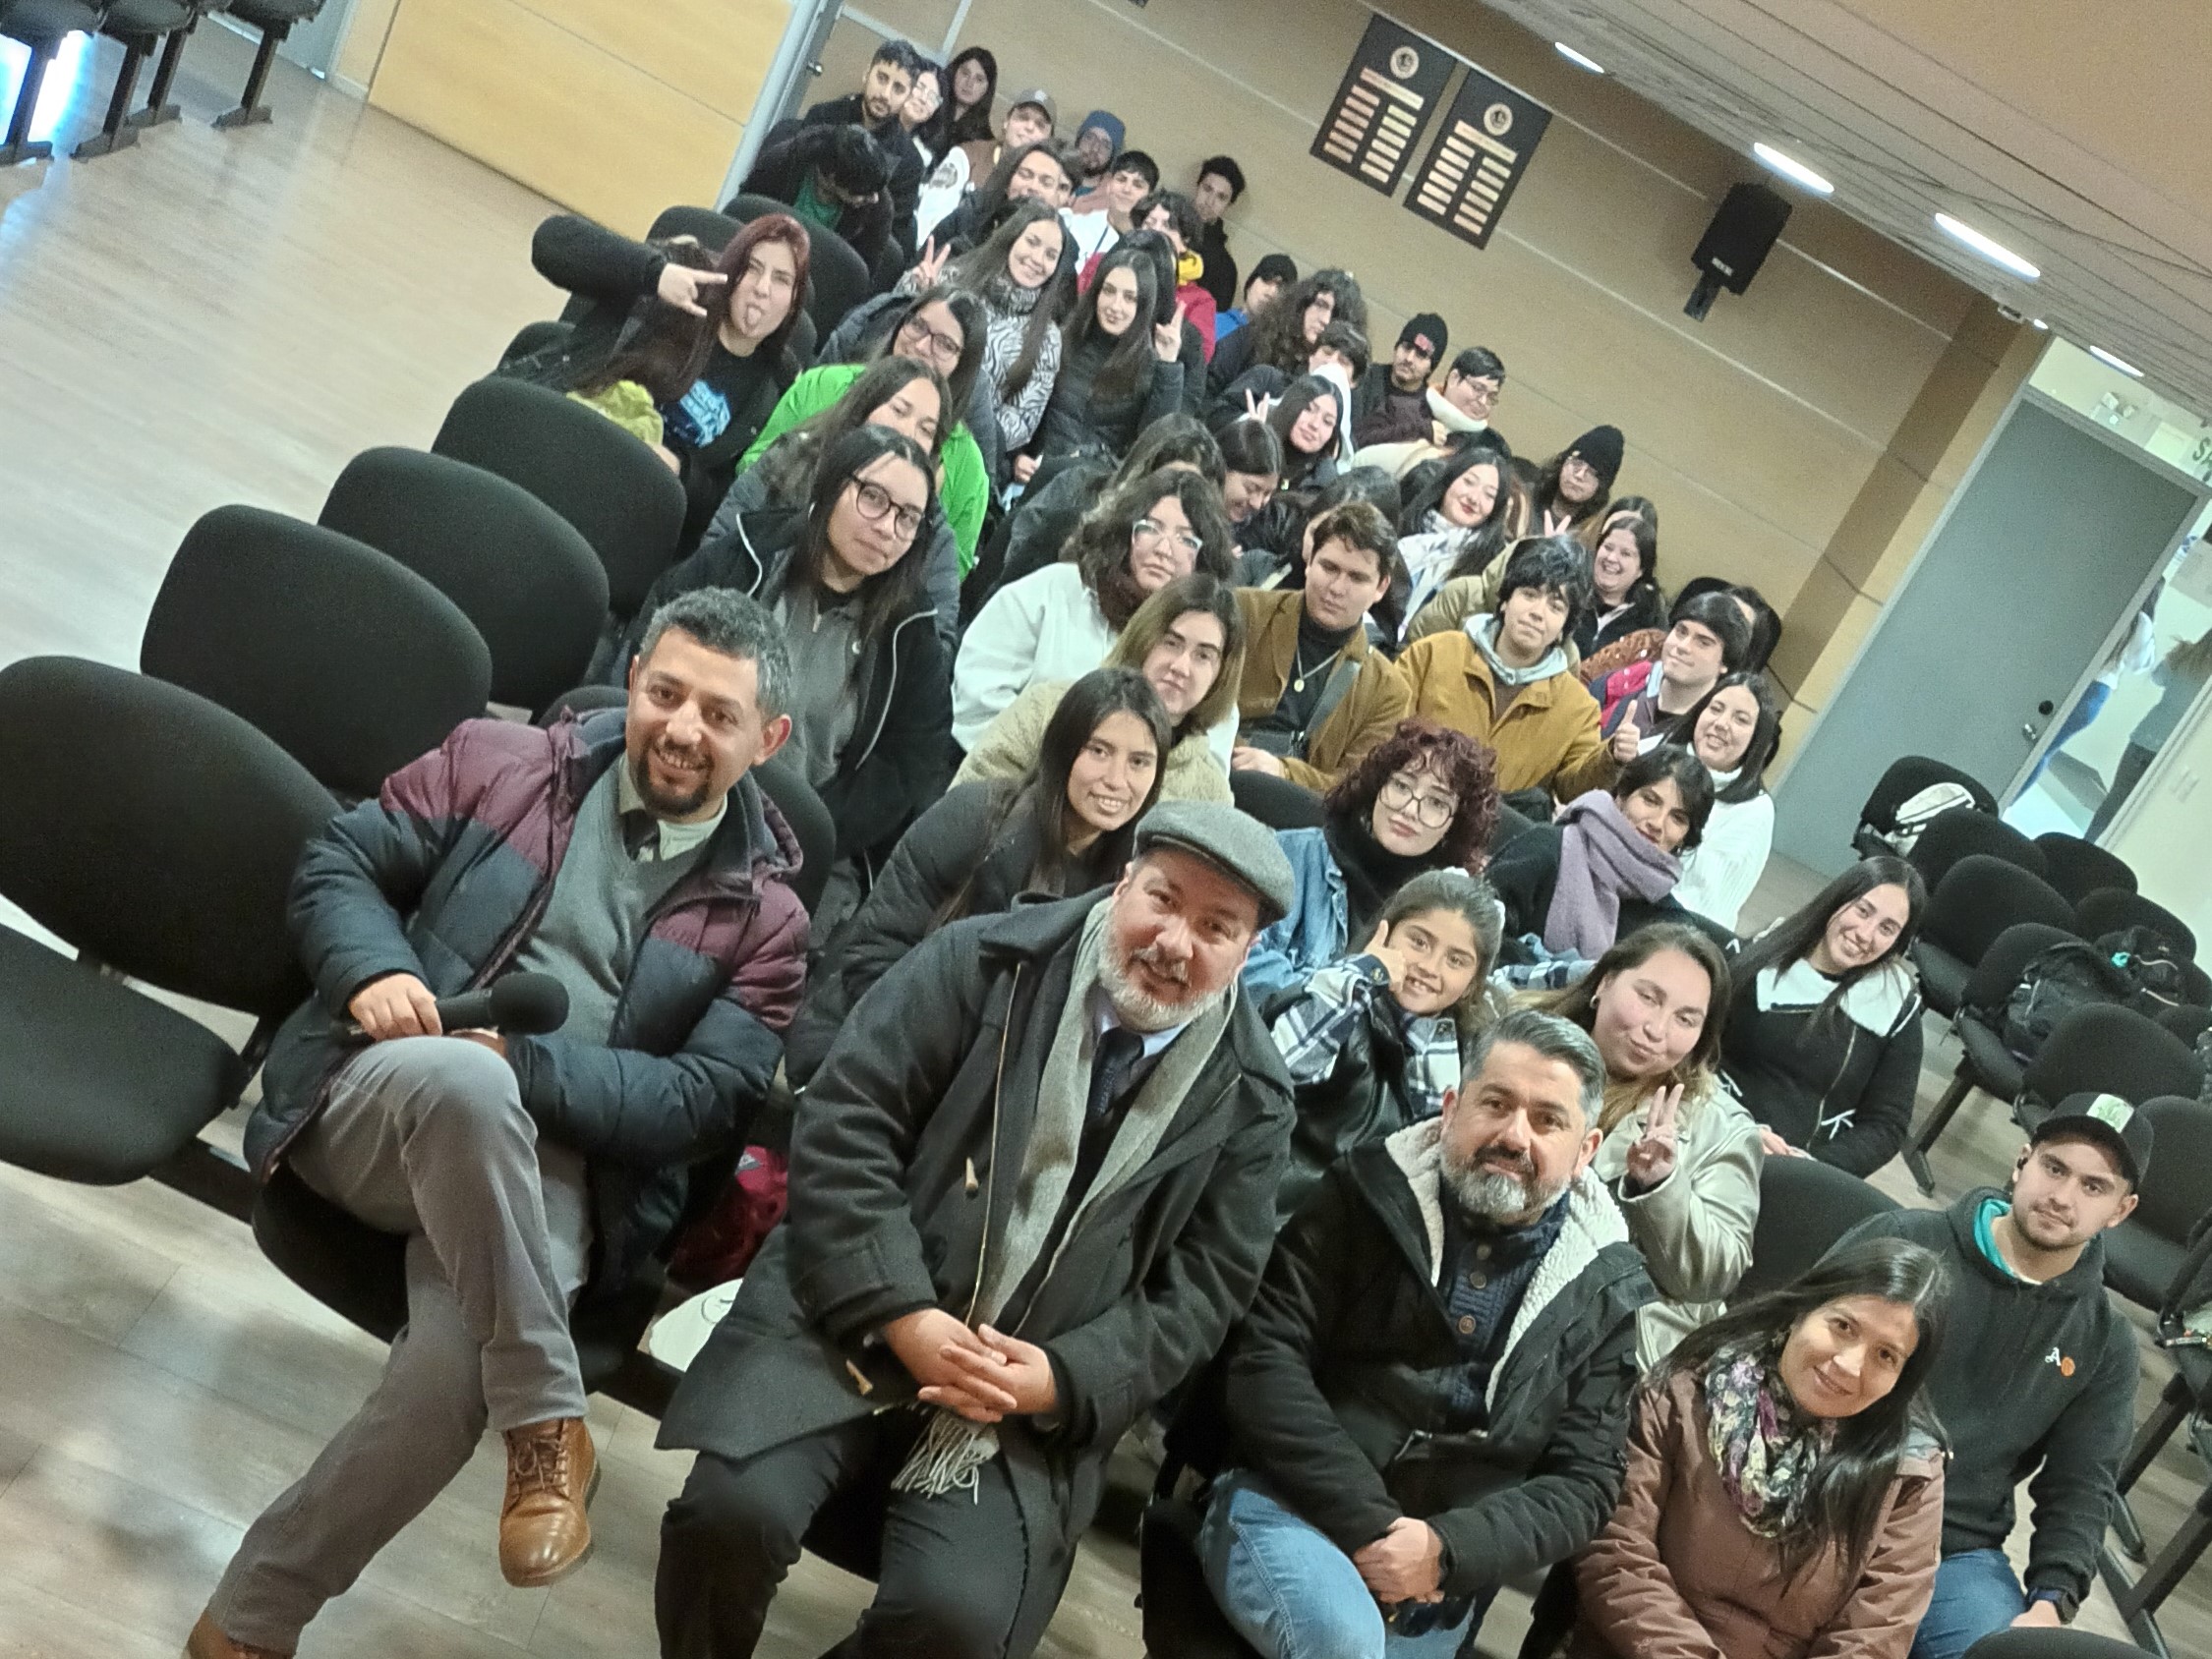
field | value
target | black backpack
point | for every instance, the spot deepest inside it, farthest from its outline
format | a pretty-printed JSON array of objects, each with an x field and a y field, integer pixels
[{"x": 2134, "y": 968}]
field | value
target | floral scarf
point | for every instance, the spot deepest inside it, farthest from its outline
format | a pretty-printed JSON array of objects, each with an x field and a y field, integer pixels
[{"x": 1764, "y": 1448}]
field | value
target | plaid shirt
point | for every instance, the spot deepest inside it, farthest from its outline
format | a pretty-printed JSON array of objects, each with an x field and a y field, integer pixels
[{"x": 1311, "y": 1031}]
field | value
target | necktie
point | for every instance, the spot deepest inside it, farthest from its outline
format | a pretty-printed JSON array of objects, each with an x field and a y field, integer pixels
[
  {"x": 1118, "y": 1052},
  {"x": 641, "y": 836}
]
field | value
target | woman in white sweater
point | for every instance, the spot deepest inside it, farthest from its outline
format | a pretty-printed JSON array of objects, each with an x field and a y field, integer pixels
[
  {"x": 1060, "y": 622},
  {"x": 1733, "y": 730}
]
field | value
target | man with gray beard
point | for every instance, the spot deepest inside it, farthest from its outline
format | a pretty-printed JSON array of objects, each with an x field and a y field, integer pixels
[
  {"x": 1032, "y": 1187},
  {"x": 1431, "y": 1394}
]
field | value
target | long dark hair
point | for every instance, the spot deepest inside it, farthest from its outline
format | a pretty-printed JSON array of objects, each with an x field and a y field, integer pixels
[
  {"x": 1793, "y": 939},
  {"x": 661, "y": 348},
  {"x": 1843, "y": 1496},
  {"x": 1298, "y": 397},
  {"x": 1766, "y": 734},
  {"x": 1173, "y": 440},
  {"x": 989, "y": 200},
  {"x": 943, "y": 129},
  {"x": 1100, "y": 545},
  {"x": 1168, "y": 603},
  {"x": 1546, "y": 490},
  {"x": 889, "y": 594},
  {"x": 1128, "y": 369},
  {"x": 1480, "y": 544},
  {"x": 1670, "y": 762},
  {"x": 1278, "y": 330},
  {"x": 788, "y": 467},
  {"x": 971, "y": 271},
  {"x": 967, "y": 312},
  {"x": 1467, "y": 768},
  {"x": 1578, "y": 1002}
]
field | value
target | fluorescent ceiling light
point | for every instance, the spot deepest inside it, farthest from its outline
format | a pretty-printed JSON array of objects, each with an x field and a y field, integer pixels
[
  {"x": 1790, "y": 168},
  {"x": 1994, "y": 251},
  {"x": 1578, "y": 59},
  {"x": 2120, "y": 363},
  {"x": 2038, "y": 324}
]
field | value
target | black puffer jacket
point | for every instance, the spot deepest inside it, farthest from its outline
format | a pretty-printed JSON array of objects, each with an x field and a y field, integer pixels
[
  {"x": 899, "y": 754},
  {"x": 1338, "y": 1381},
  {"x": 1077, "y": 422}
]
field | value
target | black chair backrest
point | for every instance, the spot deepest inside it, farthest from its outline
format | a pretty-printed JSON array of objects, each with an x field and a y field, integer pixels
[
  {"x": 534, "y": 337},
  {"x": 2110, "y": 909},
  {"x": 2177, "y": 1193},
  {"x": 1981, "y": 898},
  {"x": 710, "y": 229},
  {"x": 1804, "y": 1206},
  {"x": 591, "y": 472},
  {"x": 2105, "y": 1049},
  {"x": 1997, "y": 971},
  {"x": 1276, "y": 802},
  {"x": 1964, "y": 832},
  {"x": 353, "y": 663},
  {"x": 838, "y": 276},
  {"x": 2189, "y": 1021},
  {"x": 520, "y": 572},
  {"x": 2079, "y": 868},
  {"x": 1905, "y": 779},
  {"x": 175, "y": 868},
  {"x": 2031, "y": 1644}
]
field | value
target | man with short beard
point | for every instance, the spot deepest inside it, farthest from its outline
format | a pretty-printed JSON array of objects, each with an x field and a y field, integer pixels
[
  {"x": 1431, "y": 1394},
  {"x": 2036, "y": 1379},
  {"x": 1031, "y": 1186},
  {"x": 630, "y": 856}
]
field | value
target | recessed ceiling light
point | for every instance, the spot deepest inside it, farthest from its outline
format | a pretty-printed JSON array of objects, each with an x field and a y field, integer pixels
[
  {"x": 2120, "y": 363},
  {"x": 2037, "y": 323},
  {"x": 1994, "y": 251},
  {"x": 1580, "y": 60},
  {"x": 1792, "y": 169}
]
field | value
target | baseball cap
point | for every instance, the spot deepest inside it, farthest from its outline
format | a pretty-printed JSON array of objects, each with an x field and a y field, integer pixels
[
  {"x": 1042, "y": 99},
  {"x": 2112, "y": 1123}
]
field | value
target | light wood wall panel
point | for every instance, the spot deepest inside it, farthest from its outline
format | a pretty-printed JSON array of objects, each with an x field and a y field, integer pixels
[{"x": 614, "y": 109}]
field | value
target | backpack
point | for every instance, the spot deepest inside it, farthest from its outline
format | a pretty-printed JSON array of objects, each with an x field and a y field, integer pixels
[
  {"x": 2132, "y": 968},
  {"x": 1917, "y": 810}
]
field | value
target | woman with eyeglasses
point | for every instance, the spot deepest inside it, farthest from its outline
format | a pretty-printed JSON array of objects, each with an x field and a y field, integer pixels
[
  {"x": 1063, "y": 828},
  {"x": 1060, "y": 622},
  {"x": 1424, "y": 798},
  {"x": 944, "y": 331},
  {"x": 1573, "y": 486},
  {"x": 1121, "y": 365},
  {"x": 868, "y": 703}
]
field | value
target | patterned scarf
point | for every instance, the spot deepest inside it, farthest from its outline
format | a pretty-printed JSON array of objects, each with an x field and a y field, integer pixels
[{"x": 1764, "y": 1448}]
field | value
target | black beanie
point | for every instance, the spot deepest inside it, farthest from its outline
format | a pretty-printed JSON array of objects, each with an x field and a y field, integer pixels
[
  {"x": 1605, "y": 449},
  {"x": 1430, "y": 328}
]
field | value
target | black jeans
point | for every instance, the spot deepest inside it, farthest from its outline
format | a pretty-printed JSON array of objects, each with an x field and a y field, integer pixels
[{"x": 953, "y": 1566}]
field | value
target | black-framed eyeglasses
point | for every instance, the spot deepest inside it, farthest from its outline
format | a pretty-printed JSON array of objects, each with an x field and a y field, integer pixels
[
  {"x": 1434, "y": 810},
  {"x": 1151, "y": 530},
  {"x": 942, "y": 347},
  {"x": 874, "y": 501}
]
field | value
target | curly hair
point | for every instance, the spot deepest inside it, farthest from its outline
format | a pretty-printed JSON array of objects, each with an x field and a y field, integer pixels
[
  {"x": 1468, "y": 768},
  {"x": 1278, "y": 330},
  {"x": 1100, "y": 545}
]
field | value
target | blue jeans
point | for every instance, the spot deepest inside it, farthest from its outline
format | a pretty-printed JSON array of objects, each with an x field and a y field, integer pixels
[
  {"x": 2086, "y": 707},
  {"x": 1292, "y": 1594},
  {"x": 1975, "y": 1594}
]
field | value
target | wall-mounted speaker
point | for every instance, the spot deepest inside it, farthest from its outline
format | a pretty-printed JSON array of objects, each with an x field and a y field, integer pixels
[{"x": 1736, "y": 242}]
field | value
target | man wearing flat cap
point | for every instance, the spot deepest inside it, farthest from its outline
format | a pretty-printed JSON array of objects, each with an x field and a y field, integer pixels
[{"x": 1031, "y": 1187}]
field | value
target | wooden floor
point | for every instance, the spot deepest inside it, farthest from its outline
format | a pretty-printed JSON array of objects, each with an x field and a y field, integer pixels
[{"x": 217, "y": 317}]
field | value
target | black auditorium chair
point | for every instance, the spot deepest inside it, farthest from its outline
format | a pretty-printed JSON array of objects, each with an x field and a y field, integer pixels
[
  {"x": 2144, "y": 1252},
  {"x": 2102, "y": 1047},
  {"x": 1964, "y": 832},
  {"x": 172, "y": 872},
  {"x": 2189, "y": 1020},
  {"x": 708, "y": 228},
  {"x": 1804, "y": 1206},
  {"x": 1905, "y": 779},
  {"x": 838, "y": 278},
  {"x": 591, "y": 472},
  {"x": 2031, "y": 1644},
  {"x": 354, "y": 664},
  {"x": 275, "y": 19},
  {"x": 1276, "y": 802},
  {"x": 42, "y": 25},
  {"x": 534, "y": 337},
  {"x": 2112, "y": 909},
  {"x": 141, "y": 25},
  {"x": 2186, "y": 1398},
  {"x": 520, "y": 572},
  {"x": 158, "y": 110},
  {"x": 1984, "y": 1062},
  {"x": 1976, "y": 901},
  {"x": 2079, "y": 868}
]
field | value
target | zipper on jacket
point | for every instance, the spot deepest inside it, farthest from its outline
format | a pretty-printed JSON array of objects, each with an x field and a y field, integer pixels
[
  {"x": 991, "y": 1180},
  {"x": 883, "y": 716}
]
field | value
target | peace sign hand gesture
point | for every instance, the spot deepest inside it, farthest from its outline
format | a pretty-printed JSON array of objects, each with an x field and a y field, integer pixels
[
  {"x": 1167, "y": 337},
  {"x": 1652, "y": 1159},
  {"x": 931, "y": 264},
  {"x": 1257, "y": 405}
]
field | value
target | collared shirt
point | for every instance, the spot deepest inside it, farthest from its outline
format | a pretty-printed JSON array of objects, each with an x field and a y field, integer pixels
[
  {"x": 1104, "y": 1018},
  {"x": 674, "y": 840},
  {"x": 1485, "y": 1271}
]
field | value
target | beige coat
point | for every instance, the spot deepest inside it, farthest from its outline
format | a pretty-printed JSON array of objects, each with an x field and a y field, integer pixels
[
  {"x": 1008, "y": 748},
  {"x": 1695, "y": 1227},
  {"x": 1676, "y": 1575}
]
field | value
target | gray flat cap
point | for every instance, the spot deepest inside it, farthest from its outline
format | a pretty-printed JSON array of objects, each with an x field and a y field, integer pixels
[{"x": 1235, "y": 843}]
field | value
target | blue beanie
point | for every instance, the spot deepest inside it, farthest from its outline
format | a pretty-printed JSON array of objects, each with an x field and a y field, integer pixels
[{"x": 1107, "y": 122}]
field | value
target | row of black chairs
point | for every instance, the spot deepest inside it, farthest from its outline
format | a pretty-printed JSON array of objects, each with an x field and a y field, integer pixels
[{"x": 143, "y": 28}]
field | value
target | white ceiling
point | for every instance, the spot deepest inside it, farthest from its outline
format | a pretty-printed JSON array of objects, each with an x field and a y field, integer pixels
[{"x": 1903, "y": 135}]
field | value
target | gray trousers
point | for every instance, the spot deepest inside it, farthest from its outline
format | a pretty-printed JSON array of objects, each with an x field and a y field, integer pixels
[{"x": 424, "y": 1137}]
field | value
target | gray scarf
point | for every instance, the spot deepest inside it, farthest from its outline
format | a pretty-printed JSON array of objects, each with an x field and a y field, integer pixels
[
  {"x": 1482, "y": 630},
  {"x": 1600, "y": 857},
  {"x": 951, "y": 1451}
]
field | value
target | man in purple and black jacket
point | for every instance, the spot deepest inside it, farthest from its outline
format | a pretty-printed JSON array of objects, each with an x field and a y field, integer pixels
[{"x": 630, "y": 856}]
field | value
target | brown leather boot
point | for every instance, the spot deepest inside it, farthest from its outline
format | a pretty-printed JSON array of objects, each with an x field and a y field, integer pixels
[
  {"x": 551, "y": 1473},
  {"x": 207, "y": 1641}
]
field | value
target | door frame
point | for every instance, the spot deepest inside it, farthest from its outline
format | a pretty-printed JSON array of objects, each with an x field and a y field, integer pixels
[{"x": 2198, "y": 490}]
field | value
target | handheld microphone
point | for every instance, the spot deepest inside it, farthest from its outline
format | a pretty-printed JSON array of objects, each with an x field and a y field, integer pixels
[{"x": 520, "y": 1005}]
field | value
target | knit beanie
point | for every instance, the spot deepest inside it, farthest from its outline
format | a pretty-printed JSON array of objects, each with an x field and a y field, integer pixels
[
  {"x": 1428, "y": 330},
  {"x": 1605, "y": 449},
  {"x": 1108, "y": 123},
  {"x": 1275, "y": 267}
]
